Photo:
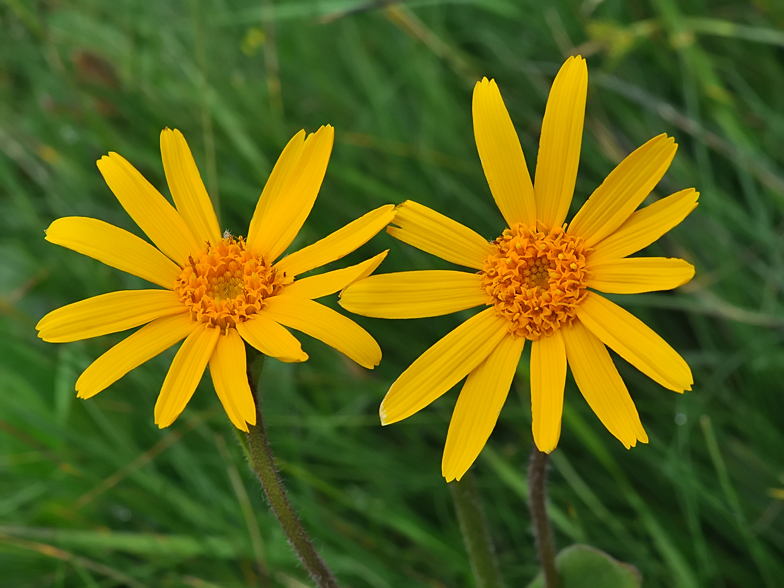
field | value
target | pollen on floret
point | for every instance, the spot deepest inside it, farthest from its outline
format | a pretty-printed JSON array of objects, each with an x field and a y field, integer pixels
[
  {"x": 226, "y": 284},
  {"x": 535, "y": 279}
]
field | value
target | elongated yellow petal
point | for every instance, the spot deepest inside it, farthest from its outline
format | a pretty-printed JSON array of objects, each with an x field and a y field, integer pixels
[
  {"x": 634, "y": 341},
  {"x": 633, "y": 275},
  {"x": 478, "y": 407},
  {"x": 151, "y": 211},
  {"x": 230, "y": 378},
  {"x": 442, "y": 366},
  {"x": 330, "y": 282},
  {"x": 187, "y": 189},
  {"x": 502, "y": 156},
  {"x": 276, "y": 183},
  {"x": 286, "y": 213},
  {"x": 559, "y": 145},
  {"x": 548, "y": 378},
  {"x": 185, "y": 374},
  {"x": 149, "y": 341},
  {"x": 107, "y": 313},
  {"x": 115, "y": 247},
  {"x": 326, "y": 325},
  {"x": 439, "y": 235},
  {"x": 601, "y": 384},
  {"x": 338, "y": 244},
  {"x": 271, "y": 339},
  {"x": 645, "y": 226},
  {"x": 414, "y": 294},
  {"x": 623, "y": 190}
]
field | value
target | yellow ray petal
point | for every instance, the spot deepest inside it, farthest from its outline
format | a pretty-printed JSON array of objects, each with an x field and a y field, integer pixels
[
  {"x": 478, "y": 407},
  {"x": 115, "y": 247},
  {"x": 634, "y": 341},
  {"x": 645, "y": 226},
  {"x": 601, "y": 384},
  {"x": 286, "y": 213},
  {"x": 276, "y": 182},
  {"x": 271, "y": 339},
  {"x": 185, "y": 374},
  {"x": 633, "y": 275},
  {"x": 559, "y": 145},
  {"x": 502, "y": 156},
  {"x": 338, "y": 244},
  {"x": 151, "y": 211},
  {"x": 188, "y": 191},
  {"x": 442, "y": 366},
  {"x": 439, "y": 235},
  {"x": 230, "y": 378},
  {"x": 623, "y": 190},
  {"x": 414, "y": 294},
  {"x": 330, "y": 282},
  {"x": 548, "y": 378},
  {"x": 326, "y": 325},
  {"x": 149, "y": 341},
  {"x": 107, "y": 313}
]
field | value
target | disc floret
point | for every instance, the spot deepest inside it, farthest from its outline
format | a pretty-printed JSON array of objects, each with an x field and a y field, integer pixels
[
  {"x": 535, "y": 278},
  {"x": 226, "y": 284}
]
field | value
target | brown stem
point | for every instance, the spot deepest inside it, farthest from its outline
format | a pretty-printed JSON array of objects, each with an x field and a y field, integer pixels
[{"x": 537, "y": 502}]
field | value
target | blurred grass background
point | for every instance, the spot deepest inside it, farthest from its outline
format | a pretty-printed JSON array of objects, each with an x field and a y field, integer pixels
[{"x": 93, "y": 494}]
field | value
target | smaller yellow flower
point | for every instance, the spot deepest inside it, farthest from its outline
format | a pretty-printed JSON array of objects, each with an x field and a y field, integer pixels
[
  {"x": 218, "y": 289},
  {"x": 536, "y": 280}
]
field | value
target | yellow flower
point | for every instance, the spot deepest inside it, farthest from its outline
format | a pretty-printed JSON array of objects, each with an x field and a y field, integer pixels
[
  {"x": 536, "y": 280},
  {"x": 218, "y": 289}
]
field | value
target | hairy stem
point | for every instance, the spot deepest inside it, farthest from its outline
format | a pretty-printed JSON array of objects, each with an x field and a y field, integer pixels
[
  {"x": 537, "y": 502},
  {"x": 263, "y": 464},
  {"x": 476, "y": 535}
]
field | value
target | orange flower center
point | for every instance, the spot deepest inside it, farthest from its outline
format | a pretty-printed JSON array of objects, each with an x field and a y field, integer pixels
[
  {"x": 535, "y": 279},
  {"x": 226, "y": 284}
]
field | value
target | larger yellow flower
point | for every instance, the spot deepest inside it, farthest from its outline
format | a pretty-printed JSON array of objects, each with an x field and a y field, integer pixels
[
  {"x": 536, "y": 280},
  {"x": 218, "y": 289}
]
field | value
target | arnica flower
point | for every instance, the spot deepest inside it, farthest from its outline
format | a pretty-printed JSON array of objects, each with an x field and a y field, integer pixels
[
  {"x": 217, "y": 289},
  {"x": 538, "y": 280}
]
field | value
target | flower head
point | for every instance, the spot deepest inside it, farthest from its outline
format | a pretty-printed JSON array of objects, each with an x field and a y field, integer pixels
[
  {"x": 538, "y": 281},
  {"x": 218, "y": 289}
]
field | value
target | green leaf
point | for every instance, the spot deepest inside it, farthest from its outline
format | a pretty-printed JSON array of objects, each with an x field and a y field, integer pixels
[{"x": 583, "y": 566}]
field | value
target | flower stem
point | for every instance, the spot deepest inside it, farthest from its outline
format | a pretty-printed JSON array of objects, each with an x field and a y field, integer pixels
[
  {"x": 537, "y": 502},
  {"x": 263, "y": 464},
  {"x": 476, "y": 535}
]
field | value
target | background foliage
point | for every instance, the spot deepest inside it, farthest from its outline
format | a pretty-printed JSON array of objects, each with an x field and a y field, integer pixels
[{"x": 93, "y": 494}]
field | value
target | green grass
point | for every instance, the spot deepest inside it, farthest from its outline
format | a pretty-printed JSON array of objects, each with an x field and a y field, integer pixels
[{"x": 93, "y": 494}]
